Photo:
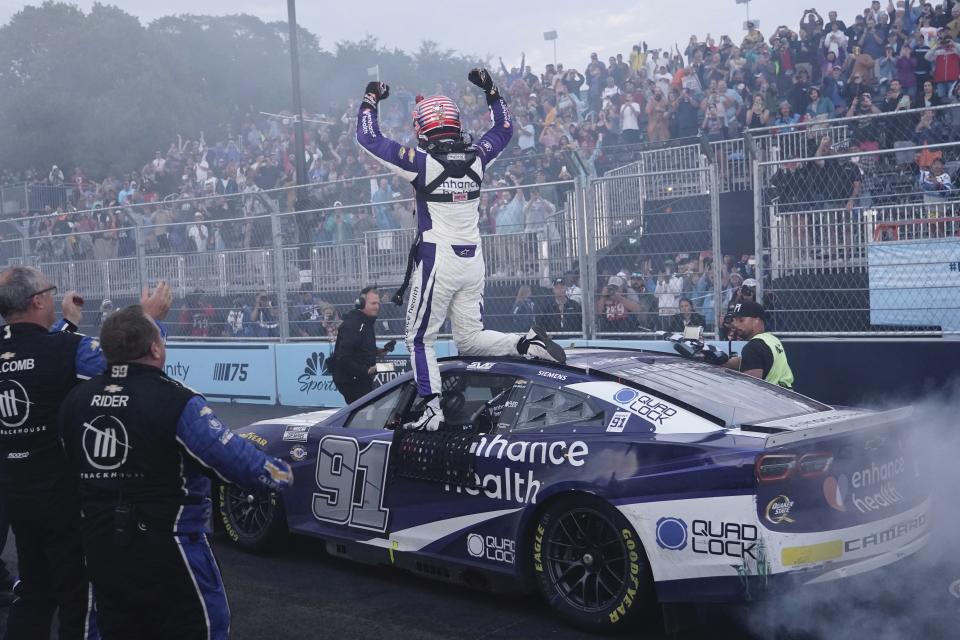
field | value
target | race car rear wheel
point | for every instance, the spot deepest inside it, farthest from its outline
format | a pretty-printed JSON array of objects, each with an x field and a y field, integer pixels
[
  {"x": 589, "y": 565},
  {"x": 255, "y": 522}
]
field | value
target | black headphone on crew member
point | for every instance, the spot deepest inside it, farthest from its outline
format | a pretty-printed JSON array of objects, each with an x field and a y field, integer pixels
[{"x": 361, "y": 300}]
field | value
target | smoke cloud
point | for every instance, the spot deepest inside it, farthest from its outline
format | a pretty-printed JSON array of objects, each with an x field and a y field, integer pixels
[{"x": 917, "y": 597}]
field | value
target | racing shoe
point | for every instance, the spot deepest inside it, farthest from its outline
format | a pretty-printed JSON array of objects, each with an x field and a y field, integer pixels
[
  {"x": 430, "y": 419},
  {"x": 537, "y": 344}
]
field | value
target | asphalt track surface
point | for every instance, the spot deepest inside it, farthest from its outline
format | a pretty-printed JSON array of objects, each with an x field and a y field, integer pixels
[{"x": 300, "y": 593}]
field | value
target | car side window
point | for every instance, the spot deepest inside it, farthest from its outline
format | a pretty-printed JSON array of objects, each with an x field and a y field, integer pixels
[
  {"x": 376, "y": 413},
  {"x": 466, "y": 393},
  {"x": 546, "y": 409}
]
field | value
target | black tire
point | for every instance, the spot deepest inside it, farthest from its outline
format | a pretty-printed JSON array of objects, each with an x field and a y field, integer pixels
[
  {"x": 255, "y": 523},
  {"x": 590, "y": 567}
]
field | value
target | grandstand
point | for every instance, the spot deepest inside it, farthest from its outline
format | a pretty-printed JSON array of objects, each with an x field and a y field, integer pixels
[{"x": 842, "y": 207}]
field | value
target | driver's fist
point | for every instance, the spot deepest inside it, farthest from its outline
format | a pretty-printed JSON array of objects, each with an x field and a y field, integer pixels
[
  {"x": 481, "y": 78},
  {"x": 374, "y": 93}
]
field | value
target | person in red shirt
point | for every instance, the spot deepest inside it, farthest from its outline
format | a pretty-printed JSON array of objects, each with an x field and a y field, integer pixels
[{"x": 196, "y": 316}]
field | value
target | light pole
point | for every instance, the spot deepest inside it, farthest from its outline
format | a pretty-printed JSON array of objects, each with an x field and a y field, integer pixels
[
  {"x": 747, "y": 4},
  {"x": 551, "y": 35},
  {"x": 299, "y": 151}
]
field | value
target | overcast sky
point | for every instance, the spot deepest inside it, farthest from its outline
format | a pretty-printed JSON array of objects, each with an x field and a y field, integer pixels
[{"x": 506, "y": 27}]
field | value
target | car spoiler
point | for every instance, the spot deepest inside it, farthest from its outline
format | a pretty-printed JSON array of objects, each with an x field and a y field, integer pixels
[{"x": 837, "y": 422}]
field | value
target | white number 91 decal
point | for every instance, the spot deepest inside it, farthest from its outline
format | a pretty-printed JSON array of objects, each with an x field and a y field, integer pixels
[{"x": 350, "y": 483}]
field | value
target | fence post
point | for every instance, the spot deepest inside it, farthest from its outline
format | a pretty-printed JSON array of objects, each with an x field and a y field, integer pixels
[
  {"x": 280, "y": 275},
  {"x": 586, "y": 215},
  {"x": 141, "y": 254},
  {"x": 758, "y": 227},
  {"x": 714, "y": 178}
]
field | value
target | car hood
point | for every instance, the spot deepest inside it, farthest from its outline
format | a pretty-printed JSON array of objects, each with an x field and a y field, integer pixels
[{"x": 308, "y": 418}]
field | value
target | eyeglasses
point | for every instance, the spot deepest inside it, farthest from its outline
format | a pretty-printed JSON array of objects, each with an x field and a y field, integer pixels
[{"x": 52, "y": 290}]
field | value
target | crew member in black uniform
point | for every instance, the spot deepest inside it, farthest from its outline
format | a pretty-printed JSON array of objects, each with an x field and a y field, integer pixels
[
  {"x": 355, "y": 354},
  {"x": 38, "y": 366},
  {"x": 142, "y": 445}
]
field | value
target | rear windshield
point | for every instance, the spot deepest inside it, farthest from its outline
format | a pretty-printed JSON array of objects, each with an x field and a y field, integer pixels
[{"x": 734, "y": 398}]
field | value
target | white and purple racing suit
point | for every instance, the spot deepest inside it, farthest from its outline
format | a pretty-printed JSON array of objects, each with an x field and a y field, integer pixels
[{"x": 449, "y": 272}]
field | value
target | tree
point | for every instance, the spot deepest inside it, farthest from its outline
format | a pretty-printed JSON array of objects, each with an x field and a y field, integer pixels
[{"x": 102, "y": 91}]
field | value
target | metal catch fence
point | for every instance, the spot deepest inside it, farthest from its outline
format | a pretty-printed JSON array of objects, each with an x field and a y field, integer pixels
[{"x": 861, "y": 241}]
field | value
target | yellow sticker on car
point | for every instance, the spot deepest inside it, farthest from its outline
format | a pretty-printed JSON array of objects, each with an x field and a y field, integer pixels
[{"x": 810, "y": 554}]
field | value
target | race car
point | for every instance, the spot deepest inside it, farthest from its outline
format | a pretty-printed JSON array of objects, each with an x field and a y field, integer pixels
[{"x": 615, "y": 482}]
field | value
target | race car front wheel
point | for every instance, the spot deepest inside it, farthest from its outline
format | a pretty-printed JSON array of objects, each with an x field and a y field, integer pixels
[
  {"x": 589, "y": 565},
  {"x": 255, "y": 522}
]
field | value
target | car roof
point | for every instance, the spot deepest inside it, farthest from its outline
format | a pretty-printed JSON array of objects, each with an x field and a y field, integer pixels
[{"x": 728, "y": 397}]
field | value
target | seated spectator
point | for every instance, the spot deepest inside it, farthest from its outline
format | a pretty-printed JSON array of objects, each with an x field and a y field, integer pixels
[
  {"x": 558, "y": 313},
  {"x": 669, "y": 288},
  {"x": 713, "y": 125},
  {"x": 647, "y": 314},
  {"x": 198, "y": 233},
  {"x": 574, "y": 292},
  {"x": 703, "y": 296},
  {"x": 758, "y": 116},
  {"x": 264, "y": 322},
  {"x": 524, "y": 310},
  {"x": 329, "y": 321},
  {"x": 819, "y": 107},
  {"x": 686, "y": 317},
  {"x": 614, "y": 309},
  {"x": 937, "y": 184},
  {"x": 930, "y": 130},
  {"x": 306, "y": 315},
  {"x": 927, "y": 97},
  {"x": 786, "y": 118},
  {"x": 238, "y": 319},
  {"x": 196, "y": 315}
]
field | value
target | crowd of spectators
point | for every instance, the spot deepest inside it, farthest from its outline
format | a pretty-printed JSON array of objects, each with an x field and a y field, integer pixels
[
  {"x": 200, "y": 195},
  {"x": 885, "y": 59}
]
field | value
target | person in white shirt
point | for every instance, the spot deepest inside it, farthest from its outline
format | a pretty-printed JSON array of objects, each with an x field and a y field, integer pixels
[
  {"x": 609, "y": 92},
  {"x": 630, "y": 121},
  {"x": 526, "y": 139},
  {"x": 669, "y": 289},
  {"x": 198, "y": 232}
]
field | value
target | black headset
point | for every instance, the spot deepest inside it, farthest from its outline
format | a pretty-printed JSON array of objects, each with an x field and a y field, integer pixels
[{"x": 361, "y": 300}]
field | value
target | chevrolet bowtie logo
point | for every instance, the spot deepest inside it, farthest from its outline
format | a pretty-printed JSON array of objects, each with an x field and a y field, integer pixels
[
  {"x": 7, "y": 356},
  {"x": 112, "y": 388}
]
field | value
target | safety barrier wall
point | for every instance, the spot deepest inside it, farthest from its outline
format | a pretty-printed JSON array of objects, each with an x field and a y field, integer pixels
[
  {"x": 841, "y": 372},
  {"x": 297, "y": 374}
]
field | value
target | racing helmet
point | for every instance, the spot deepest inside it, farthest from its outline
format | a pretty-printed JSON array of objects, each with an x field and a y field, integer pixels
[{"x": 437, "y": 118}]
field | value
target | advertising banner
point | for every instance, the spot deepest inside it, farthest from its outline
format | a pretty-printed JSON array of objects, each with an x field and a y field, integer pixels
[
  {"x": 304, "y": 378},
  {"x": 225, "y": 372},
  {"x": 915, "y": 283}
]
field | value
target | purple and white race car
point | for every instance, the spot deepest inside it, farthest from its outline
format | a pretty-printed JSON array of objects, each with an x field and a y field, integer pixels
[{"x": 618, "y": 481}]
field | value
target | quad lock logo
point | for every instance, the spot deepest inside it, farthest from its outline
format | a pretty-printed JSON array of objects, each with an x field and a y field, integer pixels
[
  {"x": 492, "y": 548},
  {"x": 866, "y": 490},
  {"x": 645, "y": 406},
  {"x": 316, "y": 374},
  {"x": 729, "y": 539}
]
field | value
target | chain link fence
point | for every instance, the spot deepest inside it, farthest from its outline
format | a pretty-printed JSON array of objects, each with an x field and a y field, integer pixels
[
  {"x": 855, "y": 230},
  {"x": 861, "y": 239},
  {"x": 653, "y": 238}
]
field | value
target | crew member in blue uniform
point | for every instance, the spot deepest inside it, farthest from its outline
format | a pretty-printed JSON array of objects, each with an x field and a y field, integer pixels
[
  {"x": 39, "y": 364},
  {"x": 142, "y": 446}
]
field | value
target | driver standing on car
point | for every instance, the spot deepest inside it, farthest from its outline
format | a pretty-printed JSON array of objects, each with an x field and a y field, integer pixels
[
  {"x": 141, "y": 444},
  {"x": 763, "y": 356}
]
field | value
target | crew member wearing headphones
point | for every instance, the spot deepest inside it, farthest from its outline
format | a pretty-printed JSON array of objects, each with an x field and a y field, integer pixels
[{"x": 355, "y": 354}]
